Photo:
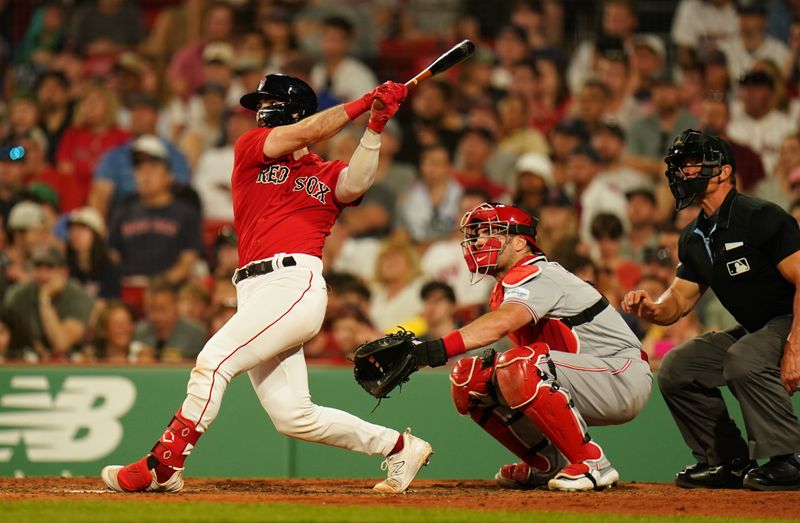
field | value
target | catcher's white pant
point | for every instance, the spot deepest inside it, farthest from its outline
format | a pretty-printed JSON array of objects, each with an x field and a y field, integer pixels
[{"x": 276, "y": 313}]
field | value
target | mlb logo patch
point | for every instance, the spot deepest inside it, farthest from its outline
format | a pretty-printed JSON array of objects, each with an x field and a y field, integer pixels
[{"x": 737, "y": 267}]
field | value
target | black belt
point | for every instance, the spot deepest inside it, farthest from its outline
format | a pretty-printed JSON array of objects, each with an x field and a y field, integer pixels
[
  {"x": 263, "y": 267},
  {"x": 587, "y": 315}
]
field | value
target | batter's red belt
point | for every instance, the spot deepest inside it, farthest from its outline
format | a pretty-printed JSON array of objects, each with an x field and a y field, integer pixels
[{"x": 259, "y": 268}]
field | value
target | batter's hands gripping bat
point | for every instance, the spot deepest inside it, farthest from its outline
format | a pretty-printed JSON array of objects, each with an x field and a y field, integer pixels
[{"x": 457, "y": 54}]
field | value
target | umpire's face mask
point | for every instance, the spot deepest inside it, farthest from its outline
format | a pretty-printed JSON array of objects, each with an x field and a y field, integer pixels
[{"x": 686, "y": 182}]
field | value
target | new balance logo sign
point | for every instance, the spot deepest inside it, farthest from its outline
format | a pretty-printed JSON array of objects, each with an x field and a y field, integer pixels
[{"x": 79, "y": 422}]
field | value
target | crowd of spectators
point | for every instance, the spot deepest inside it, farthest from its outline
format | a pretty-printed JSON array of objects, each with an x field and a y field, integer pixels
[{"x": 118, "y": 119}]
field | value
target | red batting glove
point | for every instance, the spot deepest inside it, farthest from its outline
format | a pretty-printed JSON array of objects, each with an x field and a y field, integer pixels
[{"x": 390, "y": 95}]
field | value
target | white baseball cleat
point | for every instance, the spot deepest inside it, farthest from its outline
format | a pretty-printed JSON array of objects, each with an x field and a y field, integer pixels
[
  {"x": 587, "y": 475},
  {"x": 402, "y": 467},
  {"x": 136, "y": 477}
]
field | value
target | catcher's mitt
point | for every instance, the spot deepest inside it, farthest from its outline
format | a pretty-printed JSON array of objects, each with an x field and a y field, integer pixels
[{"x": 383, "y": 364}]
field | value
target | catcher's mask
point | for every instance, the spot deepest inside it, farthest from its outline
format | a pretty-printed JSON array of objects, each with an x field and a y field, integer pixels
[
  {"x": 695, "y": 149},
  {"x": 486, "y": 230},
  {"x": 297, "y": 100}
]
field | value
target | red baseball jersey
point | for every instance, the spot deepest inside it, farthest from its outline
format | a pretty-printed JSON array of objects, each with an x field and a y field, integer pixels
[{"x": 281, "y": 204}]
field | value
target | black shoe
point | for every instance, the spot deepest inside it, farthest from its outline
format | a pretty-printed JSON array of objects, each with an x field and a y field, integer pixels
[
  {"x": 726, "y": 476},
  {"x": 782, "y": 473}
]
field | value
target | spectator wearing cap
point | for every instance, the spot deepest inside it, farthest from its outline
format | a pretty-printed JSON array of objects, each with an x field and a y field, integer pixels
[
  {"x": 114, "y": 179},
  {"x": 516, "y": 137},
  {"x": 32, "y": 167},
  {"x": 648, "y": 63},
  {"x": 56, "y": 108},
  {"x": 127, "y": 82},
  {"x": 88, "y": 256},
  {"x": 714, "y": 119},
  {"x": 155, "y": 233},
  {"x": 430, "y": 210},
  {"x": 534, "y": 182},
  {"x": 338, "y": 76},
  {"x": 609, "y": 142},
  {"x": 619, "y": 21},
  {"x": 93, "y": 132},
  {"x": 759, "y": 124},
  {"x": 614, "y": 71},
  {"x": 57, "y": 307},
  {"x": 27, "y": 228},
  {"x": 642, "y": 212},
  {"x": 752, "y": 43},
  {"x": 649, "y": 136},
  {"x": 106, "y": 27},
  {"x": 473, "y": 153},
  {"x": 591, "y": 194},
  {"x": 702, "y": 25},
  {"x": 186, "y": 73}
]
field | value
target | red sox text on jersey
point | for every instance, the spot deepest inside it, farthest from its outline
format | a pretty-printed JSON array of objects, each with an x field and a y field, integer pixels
[{"x": 278, "y": 174}]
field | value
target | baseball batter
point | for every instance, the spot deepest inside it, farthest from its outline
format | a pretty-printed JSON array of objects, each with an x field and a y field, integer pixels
[
  {"x": 285, "y": 201},
  {"x": 575, "y": 361}
]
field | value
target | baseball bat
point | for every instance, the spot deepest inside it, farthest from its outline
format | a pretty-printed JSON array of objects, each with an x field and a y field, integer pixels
[{"x": 454, "y": 56}]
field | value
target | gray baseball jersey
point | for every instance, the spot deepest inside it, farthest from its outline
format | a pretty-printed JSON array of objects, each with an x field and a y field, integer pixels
[{"x": 600, "y": 360}]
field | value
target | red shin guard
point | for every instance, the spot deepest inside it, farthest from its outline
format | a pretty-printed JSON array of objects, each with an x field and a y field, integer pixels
[
  {"x": 525, "y": 378},
  {"x": 493, "y": 424},
  {"x": 175, "y": 445}
]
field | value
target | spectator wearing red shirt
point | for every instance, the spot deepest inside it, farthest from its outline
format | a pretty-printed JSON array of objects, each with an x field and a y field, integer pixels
[{"x": 93, "y": 132}]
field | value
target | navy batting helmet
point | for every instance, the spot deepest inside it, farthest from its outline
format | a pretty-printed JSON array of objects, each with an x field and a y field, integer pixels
[{"x": 297, "y": 97}]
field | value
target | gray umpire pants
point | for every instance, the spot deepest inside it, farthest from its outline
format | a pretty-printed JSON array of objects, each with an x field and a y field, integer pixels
[{"x": 749, "y": 364}]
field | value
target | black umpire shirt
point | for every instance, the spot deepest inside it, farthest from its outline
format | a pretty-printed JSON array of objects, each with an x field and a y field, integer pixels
[{"x": 737, "y": 255}]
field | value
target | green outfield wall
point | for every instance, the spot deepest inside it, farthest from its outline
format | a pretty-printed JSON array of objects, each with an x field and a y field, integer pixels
[{"x": 58, "y": 421}]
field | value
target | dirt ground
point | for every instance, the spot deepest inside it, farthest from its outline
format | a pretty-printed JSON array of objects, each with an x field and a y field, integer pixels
[{"x": 627, "y": 498}]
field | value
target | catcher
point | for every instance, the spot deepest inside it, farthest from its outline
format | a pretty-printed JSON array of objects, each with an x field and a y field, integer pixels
[{"x": 575, "y": 361}]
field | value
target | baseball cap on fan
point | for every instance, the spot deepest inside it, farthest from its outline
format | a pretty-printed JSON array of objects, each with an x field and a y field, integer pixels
[
  {"x": 88, "y": 217},
  {"x": 149, "y": 147},
  {"x": 537, "y": 164}
]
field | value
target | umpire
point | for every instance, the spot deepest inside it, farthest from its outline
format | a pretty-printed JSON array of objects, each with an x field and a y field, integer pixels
[{"x": 748, "y": 251}]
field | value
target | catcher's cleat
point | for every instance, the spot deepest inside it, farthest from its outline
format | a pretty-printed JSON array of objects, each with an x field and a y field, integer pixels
[
  {"x": 588, "y": 475},
  {"x": 137, "y": 477},
  {"x": 403, "y": 466},
  {"x": 522, "y": 476}
]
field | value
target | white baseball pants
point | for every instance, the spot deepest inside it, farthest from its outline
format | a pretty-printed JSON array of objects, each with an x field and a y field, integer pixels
[{"x": 277, "y": 313}]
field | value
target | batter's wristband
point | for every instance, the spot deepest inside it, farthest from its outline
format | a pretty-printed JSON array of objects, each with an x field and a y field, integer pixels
[
  {"x": 356, "y": 108},
  {"x": 454, "y": 344}
]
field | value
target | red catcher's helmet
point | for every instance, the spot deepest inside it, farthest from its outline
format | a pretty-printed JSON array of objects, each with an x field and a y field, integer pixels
[{"x": 489, "y": 222}]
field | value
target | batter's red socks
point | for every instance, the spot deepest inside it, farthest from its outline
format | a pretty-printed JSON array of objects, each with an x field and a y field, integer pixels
[{"x": 397, "y": 446}]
